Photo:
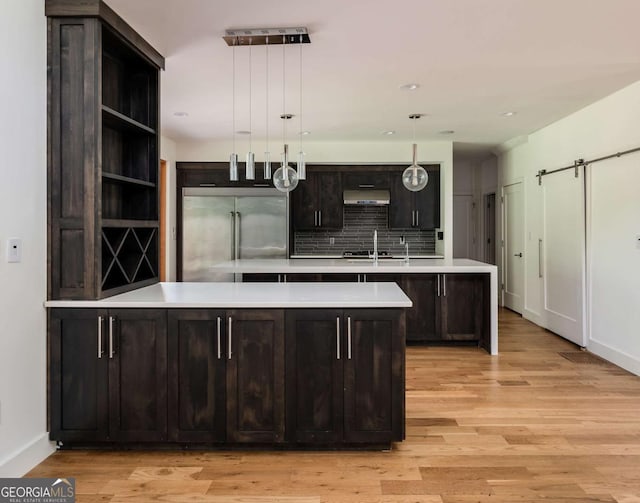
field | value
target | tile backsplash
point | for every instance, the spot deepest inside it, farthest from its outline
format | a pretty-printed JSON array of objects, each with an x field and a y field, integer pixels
[{"x": 357, "y": 234}]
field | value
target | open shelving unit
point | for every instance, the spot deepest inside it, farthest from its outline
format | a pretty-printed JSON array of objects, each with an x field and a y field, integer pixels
[{"x": 104, "y": 153}]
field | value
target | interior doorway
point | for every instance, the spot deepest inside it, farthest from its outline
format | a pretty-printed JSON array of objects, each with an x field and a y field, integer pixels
[
  {"x": 463, "y": 226},
  {"x": 489, "y": 238},
  {"x": 513, "y": 247}
]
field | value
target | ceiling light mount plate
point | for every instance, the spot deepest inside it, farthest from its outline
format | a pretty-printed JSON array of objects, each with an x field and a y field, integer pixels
[
  {"x": 286, "y": 116},
  {"x": 415, "y": 116},
  {"x": 266, "y": 36}
]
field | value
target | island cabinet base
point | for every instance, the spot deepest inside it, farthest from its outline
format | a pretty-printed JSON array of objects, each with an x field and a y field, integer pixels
[{"x": 194, "y": 378}]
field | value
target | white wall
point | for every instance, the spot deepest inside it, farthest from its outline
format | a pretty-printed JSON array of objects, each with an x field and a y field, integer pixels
[
  {"x": 168, "y": 153},
  {"x": 23, "y": 196},
  {"x": 392, "y": 152},
  {"x": 605, "y": 127}
]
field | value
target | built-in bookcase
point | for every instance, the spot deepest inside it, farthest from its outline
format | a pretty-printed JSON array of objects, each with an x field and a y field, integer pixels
[{"x": 103, "y": 153}]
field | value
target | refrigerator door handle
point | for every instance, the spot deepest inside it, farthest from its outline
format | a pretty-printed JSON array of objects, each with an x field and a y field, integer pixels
[
  {"x": 233, "y": 235},
  {"x": 238, "y": 237}
]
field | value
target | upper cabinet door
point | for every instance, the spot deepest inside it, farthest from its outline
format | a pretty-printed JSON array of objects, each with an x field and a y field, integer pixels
[
  {"x": 304, "y": 203},
  {"x": 356, "y": 180},
  {"x": 331, "y": 200},
  {"x": 427, "y": 203},
  {"x": 401, "y": 205}
]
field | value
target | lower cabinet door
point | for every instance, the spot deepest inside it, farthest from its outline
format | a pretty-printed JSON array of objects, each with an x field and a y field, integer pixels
[
  {"x": 423, "y": 318},
  {"x": 462, "y": 307},
  {"x": 78, "y": 368},
  {"x": 374, "y": 375},
  {"x": 197, "y": 364},
  {"x": 137, "y": 351},
  {"x": 314, "y": 384},
  {"x": 255, "y": 375}
]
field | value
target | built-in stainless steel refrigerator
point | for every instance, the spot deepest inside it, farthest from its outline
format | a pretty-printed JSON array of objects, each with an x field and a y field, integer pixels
[{"x": 223, "y": 224}]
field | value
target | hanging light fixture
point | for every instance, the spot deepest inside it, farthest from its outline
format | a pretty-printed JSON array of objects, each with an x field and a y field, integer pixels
[
  {"x": 233, "y": 159},
  {"x": 285, "y": 178},
  {"x": 302, "y": 168},
  {"x": 267, "y": 155},
  {"x": 250, "y": 166},
  {"x": 415, "y": 177}
]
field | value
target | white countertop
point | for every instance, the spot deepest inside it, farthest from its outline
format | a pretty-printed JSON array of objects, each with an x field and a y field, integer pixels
[
  {"x": 360, "y": 266},
  {"x": 251, "y": 295}
]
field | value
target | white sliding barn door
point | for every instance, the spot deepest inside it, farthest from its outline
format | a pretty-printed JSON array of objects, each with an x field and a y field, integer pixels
[
  {"x": 513, "y": 246},
  {"x": 563, "y": 254}
]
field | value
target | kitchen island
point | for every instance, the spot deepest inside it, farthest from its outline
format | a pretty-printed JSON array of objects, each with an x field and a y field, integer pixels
[
  {"x": 224, "y": 364},
  {"x": 454, "y": 300}
]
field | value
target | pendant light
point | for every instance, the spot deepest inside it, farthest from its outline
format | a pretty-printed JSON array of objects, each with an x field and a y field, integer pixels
[
  {"x": 233, "y": 158},
  {"x": 285, "y": 179},
  {"x": 250, "y": 166},
  {"x": 415, "y": 177},
  {"x": 267, "y": 155},
  {"x": 302, "y": 168}
]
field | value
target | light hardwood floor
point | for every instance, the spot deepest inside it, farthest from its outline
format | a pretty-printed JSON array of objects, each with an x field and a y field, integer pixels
[{"x": 525, "y": 426}]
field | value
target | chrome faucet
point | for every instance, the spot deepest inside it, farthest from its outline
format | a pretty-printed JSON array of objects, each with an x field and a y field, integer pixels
[{"x": 375, "y": 246}]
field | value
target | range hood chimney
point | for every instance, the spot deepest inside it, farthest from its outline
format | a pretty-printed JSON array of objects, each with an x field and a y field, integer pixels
[{"x": 366, "y": 197}]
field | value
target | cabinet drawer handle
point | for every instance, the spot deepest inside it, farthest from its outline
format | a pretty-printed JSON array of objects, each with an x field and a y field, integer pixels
[
  {"x": 315, "y": 218},
  {"x": 444, "y": 285},
  {"x": 366, "y": 186},
  {"x": 219, "y": 337},
  {"x": 417, "y": 218},
  {"x": 438, "y": 286},
  {"x": 229, "y": 341},
  {"x": 111, "y": 350},
  {"x": 100, "y": 337},
  {"x": 338, "y": 337},
  {"x": 319, "y": 218},
  {"x": 349, "y": 337}
]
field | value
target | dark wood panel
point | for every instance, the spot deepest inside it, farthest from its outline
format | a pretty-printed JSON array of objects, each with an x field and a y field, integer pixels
[
  {"x": 138, "y": 375},
  {"x": 423, "y": 318},
  {"x": 78, "y": 394},
  {"x": 71, "y": 267},
  {"x": 197, "y": 393},
  {"x": 401, "y": 204},
  {"x": 255, "y": 376},
  {"x": 462, "y": 307},
  {"x": 305, "y": 204},
  {"x": 314, "y": 375},
  {"x": 331, "y": 200},
  {"x": 427, "y": 202},
  {"x": 363, "y": 178},
  {"x": 374, "y": 375}
]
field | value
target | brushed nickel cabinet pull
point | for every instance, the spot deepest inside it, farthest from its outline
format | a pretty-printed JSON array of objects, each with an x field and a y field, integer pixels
[
  {"x": 100, "y": 337},
  {"x": 438, "y": 286},
  {"x": 444, "y": 285},
  {"x": 219, "y": 337},
  {"x": 229, "y": 348},
  {"x": 319, "y": 218},
  {"x": 111, "y": 350},
  {"x": 417, "y": 218},
  {"x": 349, "y": 337},
  {"x": 338, "y": 337}
]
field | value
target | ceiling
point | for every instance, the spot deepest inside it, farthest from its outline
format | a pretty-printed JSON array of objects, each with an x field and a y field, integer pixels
[{"x": 474, "y": 60}]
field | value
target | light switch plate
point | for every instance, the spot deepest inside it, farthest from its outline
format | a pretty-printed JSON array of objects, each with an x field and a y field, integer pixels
[
  {"x": 14, "y": 250},
  {"x": 638, "y": 241}
]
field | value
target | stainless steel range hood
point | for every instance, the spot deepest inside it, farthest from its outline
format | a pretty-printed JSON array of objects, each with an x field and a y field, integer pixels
[{"x": 368, "y": 197}]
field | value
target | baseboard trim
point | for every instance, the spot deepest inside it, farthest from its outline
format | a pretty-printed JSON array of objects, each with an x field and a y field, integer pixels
[
  {"x": 20, "y": 461},
  {"x": 620, "y": 358}
]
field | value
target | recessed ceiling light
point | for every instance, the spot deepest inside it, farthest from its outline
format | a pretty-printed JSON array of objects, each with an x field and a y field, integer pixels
[
  {"x": 508, "y": 114},
  {"x": 410, "y": 87},
  {"x": 181, "y": 114},
  {"x": 305, "y": 133},
  {"x": 446, "y": 131},
  {"x": 388, "y": 133},
  {"x": 243, "y": 132}
]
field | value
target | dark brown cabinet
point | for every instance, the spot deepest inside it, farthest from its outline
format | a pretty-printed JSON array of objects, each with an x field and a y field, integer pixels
[
  {"x": 447, "y": 307},
  {"x": 197, "y": 375},
  {"x": 255, "y": 375},
  {"x": 345, "y": 376},
  {"x": 357, "y": 179},
  {"x": 103, "y": 142},
  {"x": 419, "y": 210},
  {"x": 216, "y": 174},
  {"x": 317, "y": 202},
  {"x": 108, "y": 375}
]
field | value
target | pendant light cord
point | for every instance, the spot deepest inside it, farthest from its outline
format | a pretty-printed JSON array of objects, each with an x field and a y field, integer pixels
[
  {"x": 266, "y": 50},
  {"x": 233, "y": 100},
  {"x": 300, "y": 94},
  {"x": 250, "y": 131},
  {"x": 284, "y": 119}
]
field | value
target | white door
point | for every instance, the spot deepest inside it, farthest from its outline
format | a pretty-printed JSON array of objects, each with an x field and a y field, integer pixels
[
  {"x": 463, "y": 228},
  {"x": 563, "y": 253},
  {"x": 513, "y": 249}
]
